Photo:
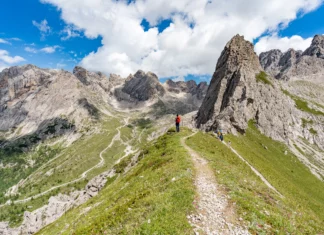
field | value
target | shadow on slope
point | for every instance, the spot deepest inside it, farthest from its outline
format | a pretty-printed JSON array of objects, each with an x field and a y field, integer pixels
[{"x": 19, "y": 156}]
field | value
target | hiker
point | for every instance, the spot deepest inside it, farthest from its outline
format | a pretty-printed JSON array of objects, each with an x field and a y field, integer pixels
[
  {"x": 177, "y": 121},
  {"x": 221, "y": 137}
]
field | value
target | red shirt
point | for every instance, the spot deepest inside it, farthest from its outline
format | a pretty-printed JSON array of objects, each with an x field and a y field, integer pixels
[{"x": 178, "y": 119}]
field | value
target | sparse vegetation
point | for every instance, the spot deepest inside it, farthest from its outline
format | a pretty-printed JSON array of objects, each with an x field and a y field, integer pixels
[
  {"x": 302, "y": 104},
  {"x": 263, "y": 77},
  {"x": 305, "y": 122}
]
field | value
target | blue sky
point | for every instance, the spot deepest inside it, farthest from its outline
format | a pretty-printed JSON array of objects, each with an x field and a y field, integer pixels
[{"x": 21, "y": 23}]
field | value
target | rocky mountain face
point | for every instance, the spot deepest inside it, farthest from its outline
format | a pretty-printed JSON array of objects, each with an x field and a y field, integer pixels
[
  {"x": 31, "y": 98},
  {"x": 143, "y": 90},
  {"x": 190, "y": 87},
  {"x": 296, "y": 65},
  {"x": 239, "y": 92},
  {"x": 140, "y": 87}
]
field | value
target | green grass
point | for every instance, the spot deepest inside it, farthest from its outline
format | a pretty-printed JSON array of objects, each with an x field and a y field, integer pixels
[
  {"x": 76, "y": 159},
  {"x": 300, "y": 212},
  {"x": 302, "y": 104},
  {"x": 12, "y": 175},
  {"x": 143, "y": 123},
  {"x": 145, "y": 200},
  {"x": 263, "y": 77}
]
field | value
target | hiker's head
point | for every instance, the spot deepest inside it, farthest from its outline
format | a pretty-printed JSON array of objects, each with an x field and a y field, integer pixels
[{"x": 177, "y": 115}]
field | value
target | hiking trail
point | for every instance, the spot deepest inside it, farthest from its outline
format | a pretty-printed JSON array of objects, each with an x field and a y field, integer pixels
[
  {"x": 84, "y": 174},
  {"x": 264, "y": 180},
  {"x": 215, "y": 215}
]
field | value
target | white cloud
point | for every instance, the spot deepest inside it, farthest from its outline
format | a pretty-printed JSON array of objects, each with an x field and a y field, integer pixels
[
  {"x": 70, "y": 32},
  {"x": 15, "y": 39},
  {"x": 4, "y": 56},
  {"x": 274, "y": 42},
  {"x": 2, "y": 66},
  {"x": 180, "y": 49},
  {"x": 43, "y": 27},
  {"x": 4, "y": 41},
  {"x": 31, "y": 50},
  {"x": 49, "y": 50}
]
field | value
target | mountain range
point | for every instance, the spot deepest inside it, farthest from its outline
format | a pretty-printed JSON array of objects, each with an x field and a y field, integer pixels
[{"x": 70, "y": 139}]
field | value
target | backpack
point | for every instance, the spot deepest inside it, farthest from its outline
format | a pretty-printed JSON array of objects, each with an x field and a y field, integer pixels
[{"x": 178, "y": 120}]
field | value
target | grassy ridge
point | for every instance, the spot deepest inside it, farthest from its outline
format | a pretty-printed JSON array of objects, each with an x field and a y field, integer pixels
[
  {"x": 300, "y": 212},
  {"x": 153, "y": 198}
]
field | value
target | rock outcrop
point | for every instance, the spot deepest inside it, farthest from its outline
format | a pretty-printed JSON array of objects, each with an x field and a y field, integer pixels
[
  {"x": 56, "y": 207},
  {"x": 189, "y": 87},
  {"x": 140, "y": 87},
  {"x": 236, "y": 96},
  {"x": 296, "y": 65},
  {"x": 29, "y": 96}
]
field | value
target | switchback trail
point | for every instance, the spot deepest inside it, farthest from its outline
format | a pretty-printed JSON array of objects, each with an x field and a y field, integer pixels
[
  {"x": 214, "y": 214},
  {"x": 83, "y": 175}
]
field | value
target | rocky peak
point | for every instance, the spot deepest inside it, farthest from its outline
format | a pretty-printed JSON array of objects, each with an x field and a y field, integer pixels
[
  {"x": 289, "y": 58},
  {"x": 235, "y": 71},
  {"x": 116, "y": 80},
  {"x": 236, "y": 95},
  {"x": 238, "y": 52},
  {"x": 143, "y": 86},
  {"x": 189, "y": 87},
  {"x": 270, "y": 58},
  {"x": 296, "y": 65},
  {"x": 317, "y": 47},
  {"x": 19, "y": 80},
  {"x": 85, "y": 76}
]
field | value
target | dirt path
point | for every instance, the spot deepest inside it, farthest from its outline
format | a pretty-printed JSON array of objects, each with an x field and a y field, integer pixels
[
  {"x": 84, "y": 174},
  {"x": 214, "y": 214},
  {"x": 265, "y": 181}
]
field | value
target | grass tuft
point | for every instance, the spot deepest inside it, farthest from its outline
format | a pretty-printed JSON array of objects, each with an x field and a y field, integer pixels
[{"x": 263, "y": 77}]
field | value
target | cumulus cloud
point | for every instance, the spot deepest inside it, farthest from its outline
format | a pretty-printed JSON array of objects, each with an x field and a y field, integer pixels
[
  {"x": 43, "y": 27},
  {"x": 49, "y": 50},
  {"x": 4, "y": 56},
  {"x": 274, "y": 42},
  {"x": 190, "y": 45}
]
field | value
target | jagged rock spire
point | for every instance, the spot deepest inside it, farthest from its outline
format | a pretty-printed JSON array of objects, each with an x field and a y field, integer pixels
[{"x": 235, "y": 95}]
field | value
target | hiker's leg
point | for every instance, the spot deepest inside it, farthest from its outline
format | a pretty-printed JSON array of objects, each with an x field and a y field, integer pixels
[{"x": 177, "y": 126}]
